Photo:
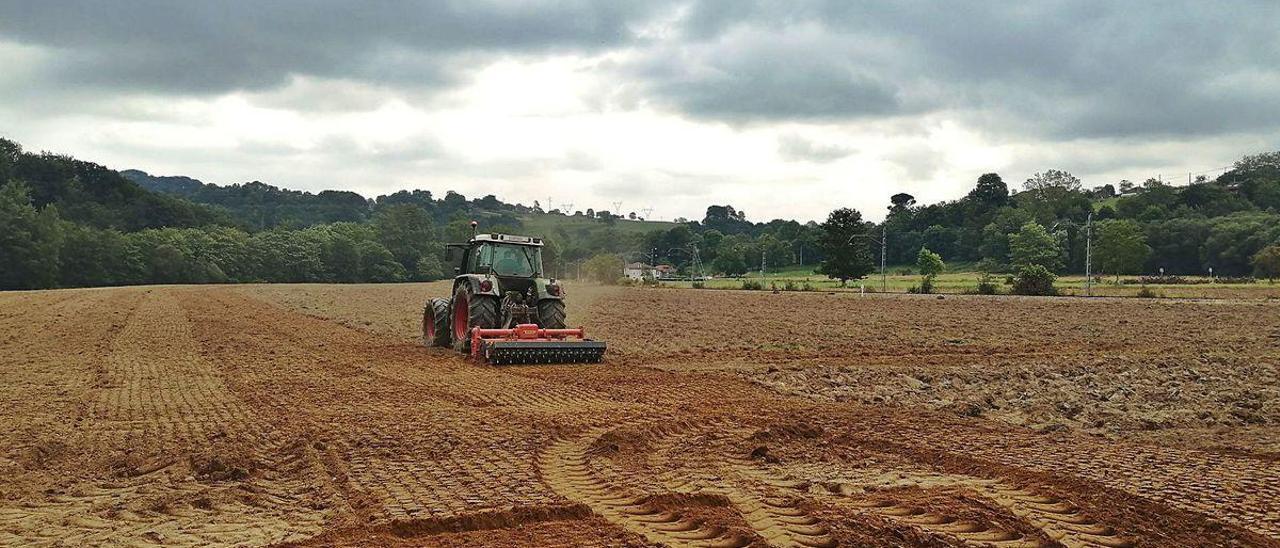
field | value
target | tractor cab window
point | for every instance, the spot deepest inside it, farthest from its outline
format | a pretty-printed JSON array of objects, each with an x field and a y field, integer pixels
[
  {"x": 517, "y": 260},
  {"x": 480, "y": 258}
]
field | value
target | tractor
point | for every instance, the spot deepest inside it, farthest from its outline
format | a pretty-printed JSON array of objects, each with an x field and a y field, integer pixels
[{"x": 503, "y": 311}]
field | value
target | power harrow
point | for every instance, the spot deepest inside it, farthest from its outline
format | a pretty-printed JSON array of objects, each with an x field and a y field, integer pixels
[{"x": 528, "y": 343}]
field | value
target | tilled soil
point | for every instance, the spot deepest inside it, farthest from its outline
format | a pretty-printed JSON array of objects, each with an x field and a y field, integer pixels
[{"x": 310, "y": 415}]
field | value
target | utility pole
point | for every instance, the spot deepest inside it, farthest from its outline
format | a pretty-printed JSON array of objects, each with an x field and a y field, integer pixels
[
  {"x": 697, "y": 264},
  {"x": 884, "y": 244},
  {"x": 1088, "y": 255},
  {"x": 762, "y": 264}
]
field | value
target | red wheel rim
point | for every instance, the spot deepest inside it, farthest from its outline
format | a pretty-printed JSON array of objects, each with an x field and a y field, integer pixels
[{"x": 461, "y": 316}]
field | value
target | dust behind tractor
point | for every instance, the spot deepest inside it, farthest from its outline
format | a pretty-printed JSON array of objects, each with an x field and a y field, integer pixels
[{"x": 503, "y": 310}]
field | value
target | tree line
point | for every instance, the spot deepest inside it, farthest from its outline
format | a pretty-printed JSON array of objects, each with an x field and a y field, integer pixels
[
  {"x": 1230, "y": 224},
  {"x": 70, "y": 223}
]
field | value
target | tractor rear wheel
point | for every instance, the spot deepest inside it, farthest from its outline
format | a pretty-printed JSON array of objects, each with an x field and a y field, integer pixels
[
  {"x": 471, "y": 311},
  {"x": 435, "y": 323},
  {"x": 551, "y": 313}
]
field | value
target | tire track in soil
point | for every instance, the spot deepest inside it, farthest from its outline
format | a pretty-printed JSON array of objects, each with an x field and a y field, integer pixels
[
  {"x": 156, "y": 400},
  {"x": 775, "y": 517},
  {"x": 779, "y": 520},
  {"x": 422, "y": 434},
  {"x": 568, "y": 468},
  {"x": 1238, "y": 490},
  {"x": 1055, "y": 519},
  {"x": 41, "y": 371}
]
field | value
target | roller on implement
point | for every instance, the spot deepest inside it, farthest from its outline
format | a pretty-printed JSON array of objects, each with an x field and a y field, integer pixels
[
  {"x": 528, "y": 343},
  {"x": 503, "y": 311}
]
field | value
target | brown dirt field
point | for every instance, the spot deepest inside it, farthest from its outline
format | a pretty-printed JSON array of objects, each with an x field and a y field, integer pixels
[{"x": 310, "y": 415}]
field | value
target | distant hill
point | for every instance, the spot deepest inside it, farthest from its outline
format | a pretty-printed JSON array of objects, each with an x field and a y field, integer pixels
[
  {"x": 91, "y": 194},
  {"x": 257, "y": 205},
  {"x": 182, "y": 186}
]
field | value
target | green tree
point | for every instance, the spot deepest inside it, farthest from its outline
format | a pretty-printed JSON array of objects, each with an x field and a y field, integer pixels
[
  {"x": 406, "y": 231},
  {"x": 1053, "y": 178},
  {"x": 429, "y": 268},
  {"x": 1122, "y": 247},
  {"x": 29, "y": 240},
  {"x": 167, "y": 265},
  {"x": 1266, "y": 262},
  {"x": 288, "y": 256},
  {"x": 941, "y": 238},
  {"x": 729, "y": 261},
  {"x": 1033, "y": 245},
  {"x": 342, "y": 260},
  {"x": 1233, "y": 240},
  {"x": 990, "y": 193},
  {"x": 92, "y": 257},
  {"x": 930, "y": 265},
  {"x": 377, "y": 264},
  {"x": 845, "y": 244},
  {"x": 605, "y": 268}
]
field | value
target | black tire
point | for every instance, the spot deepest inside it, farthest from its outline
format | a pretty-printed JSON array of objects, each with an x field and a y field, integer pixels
[
  {"x": 551, "y": 314},
  {"x": 479, "y": 311},
  {"x": 435, "y": 323}
]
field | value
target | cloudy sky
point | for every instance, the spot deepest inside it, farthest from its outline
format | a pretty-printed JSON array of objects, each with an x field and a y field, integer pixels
[{"x": 783, "y": 109}]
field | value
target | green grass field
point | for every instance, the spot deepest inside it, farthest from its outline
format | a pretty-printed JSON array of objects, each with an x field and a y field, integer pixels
[{"x": 959, "y": 282}]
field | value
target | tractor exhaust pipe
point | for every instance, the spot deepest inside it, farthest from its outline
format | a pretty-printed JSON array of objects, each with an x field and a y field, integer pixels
[{"x": 473, "y": 229}]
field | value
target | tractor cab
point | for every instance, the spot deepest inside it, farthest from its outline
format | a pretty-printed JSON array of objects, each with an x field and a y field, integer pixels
[{"x": 515, "y": 261}]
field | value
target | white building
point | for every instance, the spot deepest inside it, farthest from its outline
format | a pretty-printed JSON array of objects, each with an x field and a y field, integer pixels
[{"x": 637, "y": 271}]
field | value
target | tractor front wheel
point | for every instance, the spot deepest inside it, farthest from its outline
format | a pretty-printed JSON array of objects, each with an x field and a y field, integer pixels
[
  {"x": 435, "y": 323},
  {"x": 551, "y": 314},
  {"x": 471, "y": 311}
]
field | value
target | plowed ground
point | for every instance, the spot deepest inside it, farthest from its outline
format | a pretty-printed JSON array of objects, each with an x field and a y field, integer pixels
[{"x": 311, "y": 415}]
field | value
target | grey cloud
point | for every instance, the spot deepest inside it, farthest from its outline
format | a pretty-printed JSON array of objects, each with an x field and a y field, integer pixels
[
  {"x": 1056, "y": 69},
  {"x": 1052, "y": 69},
  {"x": 211, "y": 47},
  {"x": 795, "y": 148}
]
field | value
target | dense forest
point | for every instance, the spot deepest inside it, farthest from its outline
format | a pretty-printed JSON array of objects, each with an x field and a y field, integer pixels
[{"x": 70, "y": 223}]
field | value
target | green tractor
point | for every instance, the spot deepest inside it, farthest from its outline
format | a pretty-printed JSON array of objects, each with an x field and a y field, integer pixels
[{"x": 498, "y": 287}]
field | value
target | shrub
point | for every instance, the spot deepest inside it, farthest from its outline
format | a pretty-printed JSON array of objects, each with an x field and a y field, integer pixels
[
  {"x": 1034, "y": 279},
  {"x": 753, "y": 285},
  {"x": 806, "y": 287},
  {"x": 1147, "y": 293},
  {"x": 930, "y": 265},
  {"x": 649, "y": 282},
  {"x": 985, "y": 285},
  {"x": 699, "y": 284},
  {"x": 926, "y": 285},
  {"x": 789, "y": 286}
]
